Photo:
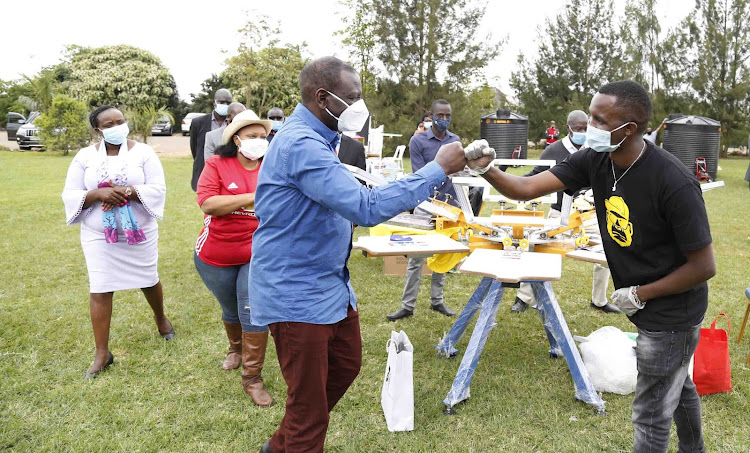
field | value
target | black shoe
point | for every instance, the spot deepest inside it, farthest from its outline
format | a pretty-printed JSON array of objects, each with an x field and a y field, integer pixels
[
  {"x": 266, "y": 448},
  {"x": 519, "y": 306},
  {"x": 401, "y": 313},
  {"x": 89, "y": 375},
  {"x": 441, "y": 308},
  {"x": 169, "y": 335},
  {"x": 606, "y": 308}
]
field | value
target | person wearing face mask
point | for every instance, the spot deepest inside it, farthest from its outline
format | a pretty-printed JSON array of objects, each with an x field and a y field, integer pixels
[
  {"x": 656, "y": 235},
  {"x": 202, "y": 125},
  {"x": 423, "y": 148},
  {"x": 226, "y": 195},
  {"x": 214, "y": 138},
  {"x": 277, "y": 116},
  {"x": 115, "y": 189},
  {"x": 306, "y": 203},
  {"x": 650, "y": 134},
  {"x": 424, "y": 124},
  {"x": 559, "y": 151}
]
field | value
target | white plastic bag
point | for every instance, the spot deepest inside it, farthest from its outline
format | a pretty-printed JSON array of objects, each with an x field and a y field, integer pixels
[
  {"x": 397, "y": 397},
  {"x": 609, "y": 357}
]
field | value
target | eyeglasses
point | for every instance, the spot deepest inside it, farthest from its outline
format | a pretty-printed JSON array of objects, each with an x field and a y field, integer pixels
[{"x": 275, "y": 118}]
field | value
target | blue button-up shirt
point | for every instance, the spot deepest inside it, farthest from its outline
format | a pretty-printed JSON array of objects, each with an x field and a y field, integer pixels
[
  {"x": 306, "y": 202},
  {"x": 423, "y": 148}
]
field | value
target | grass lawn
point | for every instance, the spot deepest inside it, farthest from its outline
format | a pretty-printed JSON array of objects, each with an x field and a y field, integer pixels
[{"x": 162, "y": 396}]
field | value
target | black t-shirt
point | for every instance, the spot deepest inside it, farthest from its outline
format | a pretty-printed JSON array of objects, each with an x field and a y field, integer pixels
[
  {"x": 557, "y": 152},
  {"x": 648, "y": 223}
]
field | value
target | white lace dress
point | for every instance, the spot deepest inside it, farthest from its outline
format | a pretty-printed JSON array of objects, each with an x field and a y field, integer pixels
[{"x": 117, "y": 266}]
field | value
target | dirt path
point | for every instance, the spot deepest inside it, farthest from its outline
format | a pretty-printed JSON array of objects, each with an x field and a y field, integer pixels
[{"x": 174, "y": 146}]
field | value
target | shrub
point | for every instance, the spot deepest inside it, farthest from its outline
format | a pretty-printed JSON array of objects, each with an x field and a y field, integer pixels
[{"x": 65, "y": 125}]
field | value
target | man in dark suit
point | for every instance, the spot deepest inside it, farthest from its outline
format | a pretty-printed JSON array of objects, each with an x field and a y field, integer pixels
[
  {"x": 352, "y": 152},
  {"x": 201, "y": 125}
]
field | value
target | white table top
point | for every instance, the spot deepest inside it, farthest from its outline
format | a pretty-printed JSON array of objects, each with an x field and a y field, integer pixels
[
  {"x": 420, "y": 245},
  {"x": 592, "y": 255},
  {"x": 513, "y": 266}
]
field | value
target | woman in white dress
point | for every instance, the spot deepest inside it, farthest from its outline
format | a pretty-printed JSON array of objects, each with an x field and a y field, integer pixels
[{"x": 115, "y": 189}]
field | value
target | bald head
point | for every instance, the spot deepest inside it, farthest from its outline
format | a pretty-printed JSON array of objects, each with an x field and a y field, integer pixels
[
  {"x": 577, "y": 116},
  {"x": 223, "y": 96},
  {"x": 577, "y": 121},
  {"x": 326, "y": 73},
  {"x": 275, "y": 114},
  {"x": 234, "y": 109}
]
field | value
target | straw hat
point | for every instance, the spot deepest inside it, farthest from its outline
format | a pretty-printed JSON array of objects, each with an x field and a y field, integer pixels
[{"x": 242, "y": 119}]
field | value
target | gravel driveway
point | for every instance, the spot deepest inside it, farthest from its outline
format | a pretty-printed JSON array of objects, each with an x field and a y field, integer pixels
[{"x": 174, "y": 146}]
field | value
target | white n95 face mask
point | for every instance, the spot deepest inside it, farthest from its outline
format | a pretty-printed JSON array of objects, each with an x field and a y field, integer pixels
[
  {"x": 600, "y": 140},
  {"x": 353, "y": 118},
  {"x": 253, "y": 148}
]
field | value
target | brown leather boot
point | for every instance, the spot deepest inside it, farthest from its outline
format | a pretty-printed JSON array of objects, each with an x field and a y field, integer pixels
[
  {"x": 253, "y": 356},
  {"x": 234, "y": 356}
]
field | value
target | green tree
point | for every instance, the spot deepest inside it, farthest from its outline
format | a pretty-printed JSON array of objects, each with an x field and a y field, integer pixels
[
  {"x": 577, "y": 53},
  {"x": 359, "y": 38},
  {"x": 203, "y": 101},
  {"x": 119, "y": 75},
  {"x": 142, "y": 119},
  {"x": 265, "y": 72},
  {"x": 64, "y": 126},
  {"x": 720, "y": 64},
  {"x": 419, "y": 41},
  {"x": 642, "y": 41}
]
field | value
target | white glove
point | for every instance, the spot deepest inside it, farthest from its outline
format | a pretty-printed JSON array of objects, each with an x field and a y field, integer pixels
[
  {"x": 478, "y": 149},
  {"x": 626, "y": 299}
]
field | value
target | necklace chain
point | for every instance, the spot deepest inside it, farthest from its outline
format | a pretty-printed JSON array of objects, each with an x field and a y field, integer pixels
[{"x": 614, "y": 186}]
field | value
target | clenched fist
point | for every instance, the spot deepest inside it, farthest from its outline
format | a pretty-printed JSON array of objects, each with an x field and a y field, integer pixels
[
  {"x": 480, "y": 156},
  {"x": 451, "y": 158}
]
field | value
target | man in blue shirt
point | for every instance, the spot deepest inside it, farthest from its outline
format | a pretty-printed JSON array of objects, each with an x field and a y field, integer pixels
[
  {"x": 423, "y": 148},
  {"x": 306, "y": 202}
]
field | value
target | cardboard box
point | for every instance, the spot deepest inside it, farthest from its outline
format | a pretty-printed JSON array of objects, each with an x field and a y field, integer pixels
[{"x": 395, "y": 266}]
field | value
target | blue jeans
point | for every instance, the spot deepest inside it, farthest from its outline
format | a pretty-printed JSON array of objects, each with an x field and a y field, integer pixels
[
  {"x": 664, "y": 392},
  {"x": 229, "y": 285}
]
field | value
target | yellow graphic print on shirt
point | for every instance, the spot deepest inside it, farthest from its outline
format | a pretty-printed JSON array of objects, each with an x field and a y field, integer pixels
[{"x": 618, "y": 221}]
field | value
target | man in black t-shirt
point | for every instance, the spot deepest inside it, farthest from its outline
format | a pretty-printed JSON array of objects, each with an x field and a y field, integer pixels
[
  {"x": 559, "y": 151},
  {"x": 656, "y": 236}
]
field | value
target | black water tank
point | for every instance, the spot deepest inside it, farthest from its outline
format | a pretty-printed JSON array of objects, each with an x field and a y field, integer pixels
[
  {"x": 504, "y": 131},
  {"x": 689, "y": 137}
]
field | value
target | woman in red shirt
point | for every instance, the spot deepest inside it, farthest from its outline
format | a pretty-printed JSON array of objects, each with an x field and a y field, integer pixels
[{"x": 226, "y": 194}]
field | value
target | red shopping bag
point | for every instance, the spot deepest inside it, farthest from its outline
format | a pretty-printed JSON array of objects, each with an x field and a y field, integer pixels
[{"x": 711, "y": 372}]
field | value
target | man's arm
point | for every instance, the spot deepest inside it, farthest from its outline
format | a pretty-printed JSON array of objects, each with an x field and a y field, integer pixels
[
  {"x": 522, "y": 188},
  {"x": 700, "y": 266},
  {"x": 209, "y": 147}
]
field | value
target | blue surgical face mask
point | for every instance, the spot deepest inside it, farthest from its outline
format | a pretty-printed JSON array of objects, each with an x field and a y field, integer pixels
[
  {"x": 221, "y": 109},
  {"x": 441, "y": 124},
  {"x": 578, "y": 138},
  {"x": 116, "y": 134},
  {"x": 276, "y": 125},
  {"x": 600, "y": 140}
]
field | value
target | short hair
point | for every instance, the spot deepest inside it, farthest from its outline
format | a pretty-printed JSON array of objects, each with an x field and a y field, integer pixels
[
  {"x": 236, "y": 105},
  {"x": 94, "y": 116},
  {"x": 632, "y": 98},
  {"x": 274, "y": 109},
  {"x": 323, "y": 73},
  {"x": 577, "y": 115},
  {"x": 437, "y": 102}
]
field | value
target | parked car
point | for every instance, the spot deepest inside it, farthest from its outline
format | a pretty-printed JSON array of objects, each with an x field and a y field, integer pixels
[
  {"x": 187, "y": 120},
  {"x": 27, "y": 135},
  {"x": 15, "y": 120},
  {"x": 162, "y": 127}
]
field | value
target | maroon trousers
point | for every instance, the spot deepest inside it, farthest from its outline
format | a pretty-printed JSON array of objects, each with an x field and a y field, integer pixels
[{"x": 319, "y": 363}]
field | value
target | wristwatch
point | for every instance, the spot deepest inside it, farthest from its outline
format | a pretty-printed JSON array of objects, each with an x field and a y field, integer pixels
[{"x": 128, "y": 191}]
